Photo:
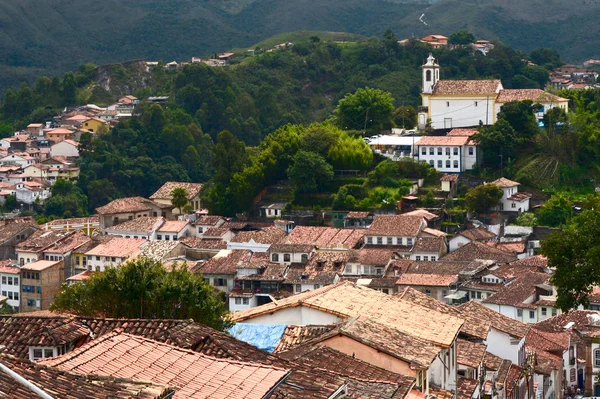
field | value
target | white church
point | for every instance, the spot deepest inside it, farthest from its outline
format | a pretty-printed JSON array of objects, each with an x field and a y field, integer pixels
[{"x": 451, "y": 104}]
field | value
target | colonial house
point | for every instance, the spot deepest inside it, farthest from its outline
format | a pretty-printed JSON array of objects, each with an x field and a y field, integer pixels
[
  {"x": 429, "y": 248},
  {"x": 286, "y": 254},
  {"x": 448, "y": 154},
  {"x": 113, "y": 252},
  {"x": 40, "y": 282},
  {"x": 205, "y": 222},
  {"x": 164, "y": 194},
  {"x": 437, "y": 286},
  {"x": 32, "y": 249},
  {"x": 21, "y": 159},
  {"x": 396, "y": 230},
  {"x": 124, "y": 209},
  {"x": 464, "y": 237},
  {"x": 356, "y": 219},
  {"x": 448, "y": 104},
  {"x": 274, "y": 210},
  {"x": 9, "y": 283},
  {"x": 512, "y": 200}
]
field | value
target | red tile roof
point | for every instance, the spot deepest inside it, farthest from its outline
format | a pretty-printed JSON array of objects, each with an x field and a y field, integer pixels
[
  {"x": 66, "y": 385},
  {"x": 535, "y": 95},
  {"x": 478, "y": 250},
  {"x": 463, "y": 132},
  {"x": 504, "y": 182},
  {"x": 475, "y": 312},
  {"x": 396, "y": 225},
  {"x": 325, "y": 237},
  {"x": 469, "y": 353},
  {"x": 427, "y": 280},
  {"x": 516, "y": 292},
  {"x": 128, "y": 205},
  {"x": 192, "y": 374},
  {"x": 267, "y": 235},
  {"x": 165, "y": 192},
  {"x": 471, "y": 87},
  {"x": 456, "y": 141}
]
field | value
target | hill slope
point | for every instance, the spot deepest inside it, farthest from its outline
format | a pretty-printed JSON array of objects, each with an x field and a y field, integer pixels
[{"x": 51, "y": 36}]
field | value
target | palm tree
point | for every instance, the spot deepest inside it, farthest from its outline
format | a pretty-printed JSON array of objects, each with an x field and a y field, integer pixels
[{"x": 179, "y": 198}]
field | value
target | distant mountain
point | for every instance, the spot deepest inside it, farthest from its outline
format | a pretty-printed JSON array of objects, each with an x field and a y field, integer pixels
[{"x": 51, "y": 36}]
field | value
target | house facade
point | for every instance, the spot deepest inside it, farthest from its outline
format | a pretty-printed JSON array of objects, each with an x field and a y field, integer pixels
[
  {"x": 10, "y": 286},
  {"x": 40, "y": 282},
  {"x": 512, "y": 200}
]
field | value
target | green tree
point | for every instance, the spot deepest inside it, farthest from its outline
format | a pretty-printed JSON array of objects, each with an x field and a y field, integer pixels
[
  {"x": 11, "y": 202},
  {"x": 526, "y": 219},
  {"x": 556, "y": 211},
  {"x": 574, "y": 252},
  {"x": 229, "y": 157},
  {"x": 310, "y": 172},
  {"x": 405, "y": 117},
  {"x": 483, "y": 197},
  {"x": 350, "y": 153},
  {"x": 520, "y": 115},
  {"x": 546, "y": 57},
  {"x": 179, "y": 198},
  {"x": 497, "y": 142},
  {"x": 143, "y": 288},
  {"x": 461, "y": 37},
  {"x": 367, "y": 108}
]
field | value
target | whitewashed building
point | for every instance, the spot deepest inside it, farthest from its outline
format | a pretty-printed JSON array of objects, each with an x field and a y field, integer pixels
[{"x": 512, "y": 200}]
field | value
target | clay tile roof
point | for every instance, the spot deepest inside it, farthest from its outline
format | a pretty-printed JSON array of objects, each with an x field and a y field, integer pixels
[
  {"x": 322, "y": 268},
  {"x": 210, "y": 220},
  {"x": 517, "y": 291},
  {"x": 396, "y": 225},
  {"x": 41, "y": 239},
  {"x": 427, "y": 280},
  {"x": 491, "y": 361},
  {"x": 81, "y": 276},
  {"x": 40, "y": 265},
  {"x": 537, "y": 261},
  {"x": 144, "y": 224},
  {"x": 430, "y": 244},
  {"x": 422, "y": 213},
  {"x": 357, "y": 215},
  {"x": 474, "y": 87},
  {"x": 192, "y": 374},
  {"x": 158, "y": 249},
  {"x": 463, "y": 132},
  {"x": 66, "y": 385},
  {"x": 68, "y": 244},
  {"x": 320, "y": 356},
  {"x": 297, "y": 335},
  {"x": 473, "y": 311},
  {"x": 266, "y": 235},
  {"x": 164, "y": 193},
  {"x": 226, "y": 262},
  {"x": 535, "y": 95},
  {"x": 204, "y": 243},
  {"x": 173, "y": 226},
  {"x": 292, "y": 248},
  {"x": 124, "y": 205},
  {"x": 118, "y": 247},
  {"x": 465, "y": 387},
  {"x": 371, "y": 256},
  {"x": 477, "y": 250},
  {"x": 443, "y": 140},
  {"x": 449, "y": 177},
  {"x": 7, "y": 268},
  {"x": 325, "y": 237},
  {"x": 469, "y": 353},
  {"x": 347, "y": 299},
  {"x": 504, "y": 182},
  {"x": 477, "y": 234},
  {"x": 434, "y": 232},
  {"x": 540, "y": 340}
]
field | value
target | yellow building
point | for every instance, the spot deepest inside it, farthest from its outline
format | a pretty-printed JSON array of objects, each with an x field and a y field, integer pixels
[{"x": 94, "y": 124}]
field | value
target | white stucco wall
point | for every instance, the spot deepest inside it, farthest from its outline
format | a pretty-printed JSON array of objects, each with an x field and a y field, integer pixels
[
  {"x": 457, "y": 242},
  {"x": 503, "y": 345},
  {"x": 450, "y": 112},
  {"x": 299, "y": 315}
]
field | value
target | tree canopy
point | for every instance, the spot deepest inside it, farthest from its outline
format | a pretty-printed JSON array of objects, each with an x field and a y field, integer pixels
[
  {"x": 143, "y": 288},
  {"x": 179, "y": 197},
  {"x": 575, "y": 253},
  {"x": 556, "y": 211},
  {"x": 310, "y": 172},
  {"x": 366, "y": 109},
  {"x": 461, "y": 37},
  {"x": 483, "y": 197}
]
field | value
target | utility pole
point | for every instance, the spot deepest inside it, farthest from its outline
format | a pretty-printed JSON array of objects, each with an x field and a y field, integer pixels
[{"x": 366, "y": 119}]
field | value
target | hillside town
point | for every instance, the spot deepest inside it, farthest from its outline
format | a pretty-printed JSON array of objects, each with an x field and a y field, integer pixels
[{"x": 401, "y": 302}]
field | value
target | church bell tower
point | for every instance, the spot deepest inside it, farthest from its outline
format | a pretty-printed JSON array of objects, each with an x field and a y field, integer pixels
[{"x": 431, "y": 74}]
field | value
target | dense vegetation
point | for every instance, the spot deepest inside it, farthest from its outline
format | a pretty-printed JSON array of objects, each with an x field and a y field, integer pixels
[
  {"x": 248, "y": 126},
  {"x": 143, "y": 288},
  {"x": 50, "y": 37}
]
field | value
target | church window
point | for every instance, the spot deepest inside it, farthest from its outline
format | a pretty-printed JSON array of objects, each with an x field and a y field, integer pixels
[
  {"x": 447, "y": 103},
  {"x": 428, "y": 76}
]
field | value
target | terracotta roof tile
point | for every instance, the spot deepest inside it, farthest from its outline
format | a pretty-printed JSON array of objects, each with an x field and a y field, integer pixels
[
  {"x": 173, "y": 226},
  {"x": 427, "y": 280},
  {"x": 449, "y": 177},
  {"x": 491, "y": 361},
  {"x": 465, "y": 387},
  {"x": 477, "y": 234},
  {"x": 474, "y": 87},
  {"x": 210, "y": 220},
  {"x": 297, "y": 335},
  {"x": 517, "y": 291},
  {"x": 204, "y": 243},
  {"x": 504, "y": 182},
  {"x": 322, "y": 268},
  {"x": 469, "y": 353},
  {"x": 164, "y": 193},
  {"x": 226, "y": 262},
  {"x": 144, "y": 224},
  {"x": 474, "y": 312},
  {"x": 267, "y": 235},
  {"x": 477, "y": 250},
  {"x": 456, "y": 141},
  {"x": 371, "y": 256},
  {"x": 130, "y": 204},
  {"x": 192, "y": 374},
  {"x": 535, "y": 95},
  {"x": 463, "y": 132},
  {"x": 350, "y": 300},
  {"x": 325, "y": 237},
  {"x": 66, "y": 385},
  {"x": 396, "y": 225},
  {"x": 424, "y": 213},
  {"x": 435, "y": 245},
  {"x": 118, "y": 247},
  {"x": 41, "y": 239},
  {"x": 357, "y": 215},
  {"x": 434, "y": 232}
]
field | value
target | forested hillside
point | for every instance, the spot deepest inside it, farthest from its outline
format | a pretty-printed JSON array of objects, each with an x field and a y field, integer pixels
[
  {"x": 251, "y": 100},
  {"x": 40, "y": 37}
]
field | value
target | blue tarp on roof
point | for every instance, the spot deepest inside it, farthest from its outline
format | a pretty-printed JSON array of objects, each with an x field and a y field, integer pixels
[{"x": 262, "y": 336}]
